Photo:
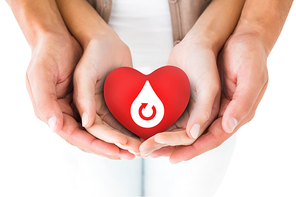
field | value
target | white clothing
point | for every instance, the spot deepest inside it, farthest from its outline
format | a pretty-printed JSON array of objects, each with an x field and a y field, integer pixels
[
  {"x": 39, "y": 163},
  {"x": 145, "y": 26}
]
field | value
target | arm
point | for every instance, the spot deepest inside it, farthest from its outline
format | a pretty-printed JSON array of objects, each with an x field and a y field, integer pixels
[
  {"x": 84, "y": 23},
  {"x": 41, "y": 24},
  {"x": 265, "y": 19},
  {"x": 103, "y": 52},
  {"x": 243, "y": 69},
  {"x": 37, "y": 19},
  {"x": 256, "y": 33},
  {"x": 216, "y": 24},
  {"x": 196, "y": 55},
  {"x": 55, "y": 54}
]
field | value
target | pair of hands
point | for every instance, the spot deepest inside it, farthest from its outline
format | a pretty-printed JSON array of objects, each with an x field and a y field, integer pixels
[{"x": 216, "y": 109}]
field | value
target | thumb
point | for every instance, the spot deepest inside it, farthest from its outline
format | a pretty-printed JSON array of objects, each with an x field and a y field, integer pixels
[
  {"x": 248, "y": 93},
  {"x": 42, "y": 91},
  {"x": 84, "y": 95},
  {"x": 202, "y": 112}
]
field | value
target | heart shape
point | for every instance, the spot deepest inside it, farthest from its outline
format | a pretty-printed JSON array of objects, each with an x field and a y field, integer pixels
[{"x": 147, "y": 104}]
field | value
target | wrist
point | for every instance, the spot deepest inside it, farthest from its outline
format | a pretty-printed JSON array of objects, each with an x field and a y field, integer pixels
[
  {"x": 96, "y": 35},
  {"x": 38, "y": 19},
  {"x": 86, "y": 26},
  {"x": 216, "y": 24},
  {"x": 202, "y": 40},
  {"x": 258, "y": 32},
  {"x": 264, "y": 22}
]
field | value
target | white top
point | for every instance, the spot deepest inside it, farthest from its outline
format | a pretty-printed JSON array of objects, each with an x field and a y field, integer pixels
[{"x": 145, "y": 26}]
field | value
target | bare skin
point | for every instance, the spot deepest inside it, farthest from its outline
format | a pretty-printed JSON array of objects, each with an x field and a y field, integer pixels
[{"x": 236, "y": 65}]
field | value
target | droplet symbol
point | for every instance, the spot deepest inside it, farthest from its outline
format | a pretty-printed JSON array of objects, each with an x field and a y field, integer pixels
[{"x": 147, "y": 110}]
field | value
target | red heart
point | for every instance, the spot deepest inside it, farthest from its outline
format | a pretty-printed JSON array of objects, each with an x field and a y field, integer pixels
[{"x": 147, "y": 104}]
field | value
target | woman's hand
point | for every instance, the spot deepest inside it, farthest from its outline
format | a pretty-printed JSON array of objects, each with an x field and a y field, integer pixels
[
  {"x": 199, "y": 63},
  {"x": 103, "y": 51},
  {"x": 101, "y": 56},
  {"x": 197, "y": 55}
]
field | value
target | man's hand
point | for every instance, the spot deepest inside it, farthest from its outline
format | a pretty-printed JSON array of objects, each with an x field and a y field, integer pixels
[
  {"x": 49, "y": 83},
  {"x": 49, "y": 76},
  {"x": 244, "y": 78}
]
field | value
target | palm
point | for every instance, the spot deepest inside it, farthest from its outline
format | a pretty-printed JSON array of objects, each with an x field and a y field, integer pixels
[
  {"x": 49, "y": 83},
  {"x": 243, "y": 73},
  {"x": 50, "y": 72},
  {"x": 200, "y": 81},
  {"x": 100, "y": 58},
  {"x": 200, "y": 66}
]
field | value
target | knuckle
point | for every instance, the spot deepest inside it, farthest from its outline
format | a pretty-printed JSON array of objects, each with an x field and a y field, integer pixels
[
  {"x": 250, "y": 116},
  {"x": 37, "y": 114},
  {"x": 217, "y": 144},
  {"x": 247, "y": 107},
  {"x": 82, "y": 149},
  {"x": 206, "y": 114},
  {"x": 70, "y": 140},
  {"x": 79, "y": 100},
  {"x": 217, "y": 141},
  {"x": 263, "y": 76}
]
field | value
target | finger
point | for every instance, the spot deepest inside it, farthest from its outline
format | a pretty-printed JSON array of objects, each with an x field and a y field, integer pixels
[
  {"x": 132, "y": 146},
  {"x": 106, "y": 133},
  {"x": 124, "y": 154},
  {"x": 250, "y": 116},
  {"x": 247, "y": 91},
  {"x": 148, "y": 146},
  {"x": 165, "y": 139},
  {"x": 133, "y": 142},
  {"x": 202, "y": 111},
  {"x": 42, "y": 90},
  {"x": 84, "y": 92},
  {"x": 84, "y": 140},
  {"x": 173, "y": 138},
  {"x": 163, "y": 152},
  {"x": 213, "y": 138}
]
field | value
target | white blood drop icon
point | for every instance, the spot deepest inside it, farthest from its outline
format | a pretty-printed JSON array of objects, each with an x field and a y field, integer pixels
[{"x": 147, "y": 110}]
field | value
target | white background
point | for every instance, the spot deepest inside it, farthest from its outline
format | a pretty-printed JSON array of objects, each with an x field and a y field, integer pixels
[{"x": 264, "y": 159}]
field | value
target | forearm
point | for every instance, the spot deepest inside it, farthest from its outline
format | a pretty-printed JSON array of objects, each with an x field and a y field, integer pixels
[
  {"x": 216, "y": 23},
  {"x": 83, "y": 21},
  {"x": 265, "y": 19},
  {"x": 37, "y": 18}
]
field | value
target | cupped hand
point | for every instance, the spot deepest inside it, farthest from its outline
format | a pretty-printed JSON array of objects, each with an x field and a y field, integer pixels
[
  {"x": 101, "y": 56},
  {"x": 49, "y": 76},
  {"x": 199, "y": 63},
  {"x": 243, "y": 71},
  {"x": 49, "y": 83}
]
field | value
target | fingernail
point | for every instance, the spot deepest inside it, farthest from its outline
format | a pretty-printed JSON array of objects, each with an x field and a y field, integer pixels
[
  {"x": 176, "y": 161},
  {"x": 120, "y": 145},
  {"x": 84, "y": 119},
  {"x": 136, "y": 154},
  {"x": 146, "y": 155},
  {"x": 154, "y": 156},
  {"x": 232, "y": 123},
  {"x": 159, "y": 141},
  {"x": 123, "y": 157},
  {"x": 52, "y": 122},
  {"x": 195, "y": 130}
]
